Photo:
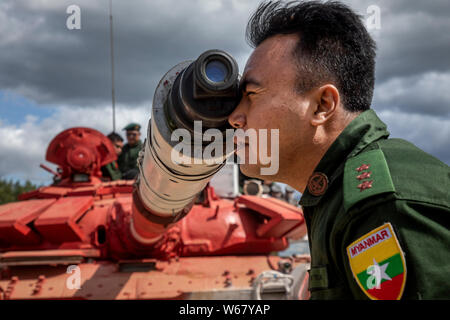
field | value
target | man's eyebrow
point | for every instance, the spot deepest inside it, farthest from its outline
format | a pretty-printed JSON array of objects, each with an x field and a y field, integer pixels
[{"x": 248, "y": 80}]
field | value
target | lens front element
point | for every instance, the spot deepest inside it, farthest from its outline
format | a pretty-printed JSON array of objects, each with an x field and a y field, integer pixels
[{"x": 216, "y": 71}]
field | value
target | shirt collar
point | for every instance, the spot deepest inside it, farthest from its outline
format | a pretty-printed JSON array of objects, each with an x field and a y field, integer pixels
[{"x": 360, "y": 132}]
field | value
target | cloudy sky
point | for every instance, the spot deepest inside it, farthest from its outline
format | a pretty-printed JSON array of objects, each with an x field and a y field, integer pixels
[{"x": 53, "y": 78}]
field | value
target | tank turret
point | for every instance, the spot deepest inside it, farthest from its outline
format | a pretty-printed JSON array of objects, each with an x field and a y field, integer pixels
[{"x": 80, "y": 153}]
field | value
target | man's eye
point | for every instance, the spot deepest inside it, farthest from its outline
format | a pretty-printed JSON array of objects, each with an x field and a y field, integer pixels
[{"x": 249, "y": 93}]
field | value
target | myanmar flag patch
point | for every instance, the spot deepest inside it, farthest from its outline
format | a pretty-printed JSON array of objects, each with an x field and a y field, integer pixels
[{"x": 378, "y": 264}]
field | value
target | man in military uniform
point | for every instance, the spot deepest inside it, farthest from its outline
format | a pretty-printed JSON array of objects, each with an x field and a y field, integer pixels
[
  {"x": 377, "y": 209},
  {"x": 111, "y": 170},
  {"x": 128, "y": 159}
]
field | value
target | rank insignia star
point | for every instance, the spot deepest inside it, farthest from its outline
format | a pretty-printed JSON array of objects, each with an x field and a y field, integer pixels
[
  {"x": 364, "y": 175},
  {"x": 363, "y": 167},
  {"x": 365, "y": 185}
]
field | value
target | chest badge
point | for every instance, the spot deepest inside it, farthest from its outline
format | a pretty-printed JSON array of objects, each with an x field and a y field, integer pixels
[
  {"x": 378, "y": 264},
  {"x": 317, "y": 184}
]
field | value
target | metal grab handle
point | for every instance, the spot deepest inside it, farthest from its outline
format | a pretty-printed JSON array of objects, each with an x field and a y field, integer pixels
[{"x": 273, "y": 280}]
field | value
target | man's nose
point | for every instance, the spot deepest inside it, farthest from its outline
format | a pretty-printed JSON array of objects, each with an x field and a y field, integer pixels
[{"x": 237, "y": 118}]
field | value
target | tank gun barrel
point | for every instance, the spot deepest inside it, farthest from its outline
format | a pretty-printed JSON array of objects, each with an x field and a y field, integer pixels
[
  {"x": 191, "y": 102},
  {"x": 56, "y": 174}
]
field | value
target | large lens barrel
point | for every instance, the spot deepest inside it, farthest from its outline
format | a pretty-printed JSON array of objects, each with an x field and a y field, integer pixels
[
  {"x": 203, "y": 90},
  {"x": 207, "y": 90}
]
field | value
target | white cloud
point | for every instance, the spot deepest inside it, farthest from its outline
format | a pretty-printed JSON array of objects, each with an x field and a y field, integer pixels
[
  {"x": 425, "y": 93},
  {"x": 430, "y": 133}
]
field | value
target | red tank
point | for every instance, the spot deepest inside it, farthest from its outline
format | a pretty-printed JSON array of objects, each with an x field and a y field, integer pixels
[{"x": 74, "y": 239}]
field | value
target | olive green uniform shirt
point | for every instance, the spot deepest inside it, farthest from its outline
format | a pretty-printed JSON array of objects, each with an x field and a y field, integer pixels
[
  {"x": 402, "y": 186},
  {"x": 111, "y": 170},
  {"x": 128, "y": 157}
]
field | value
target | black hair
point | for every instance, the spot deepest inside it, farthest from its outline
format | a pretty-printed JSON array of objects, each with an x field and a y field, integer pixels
[
  {"x": 333, "y": 47},
  {"x": 114, "y": 137}
]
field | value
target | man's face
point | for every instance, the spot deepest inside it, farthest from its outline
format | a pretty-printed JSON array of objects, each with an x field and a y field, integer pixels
[
  {"x": 133, "y": 137},
  {"x": 118, "y": 145},
  {"x": 270, "y": 101}
]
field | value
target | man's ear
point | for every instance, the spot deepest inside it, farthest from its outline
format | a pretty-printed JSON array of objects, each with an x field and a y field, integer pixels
[{"x": 327, "y": 100}]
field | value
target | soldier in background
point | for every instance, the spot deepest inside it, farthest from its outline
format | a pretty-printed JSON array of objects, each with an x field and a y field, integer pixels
[
  {"x": 111, "y": 170},
  {"x": 128, "y": 159}
]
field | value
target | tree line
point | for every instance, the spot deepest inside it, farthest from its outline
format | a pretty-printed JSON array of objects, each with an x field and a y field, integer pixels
[{"x": 10, "y": 190}]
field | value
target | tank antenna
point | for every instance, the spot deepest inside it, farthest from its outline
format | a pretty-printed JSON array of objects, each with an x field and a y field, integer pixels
[{"x": 112, "y": 66}]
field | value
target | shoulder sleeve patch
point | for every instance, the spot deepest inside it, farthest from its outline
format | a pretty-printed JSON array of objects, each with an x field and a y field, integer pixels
[
  {"x": 378, "y": 264},
  {"x": 366, "y": 175}
]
